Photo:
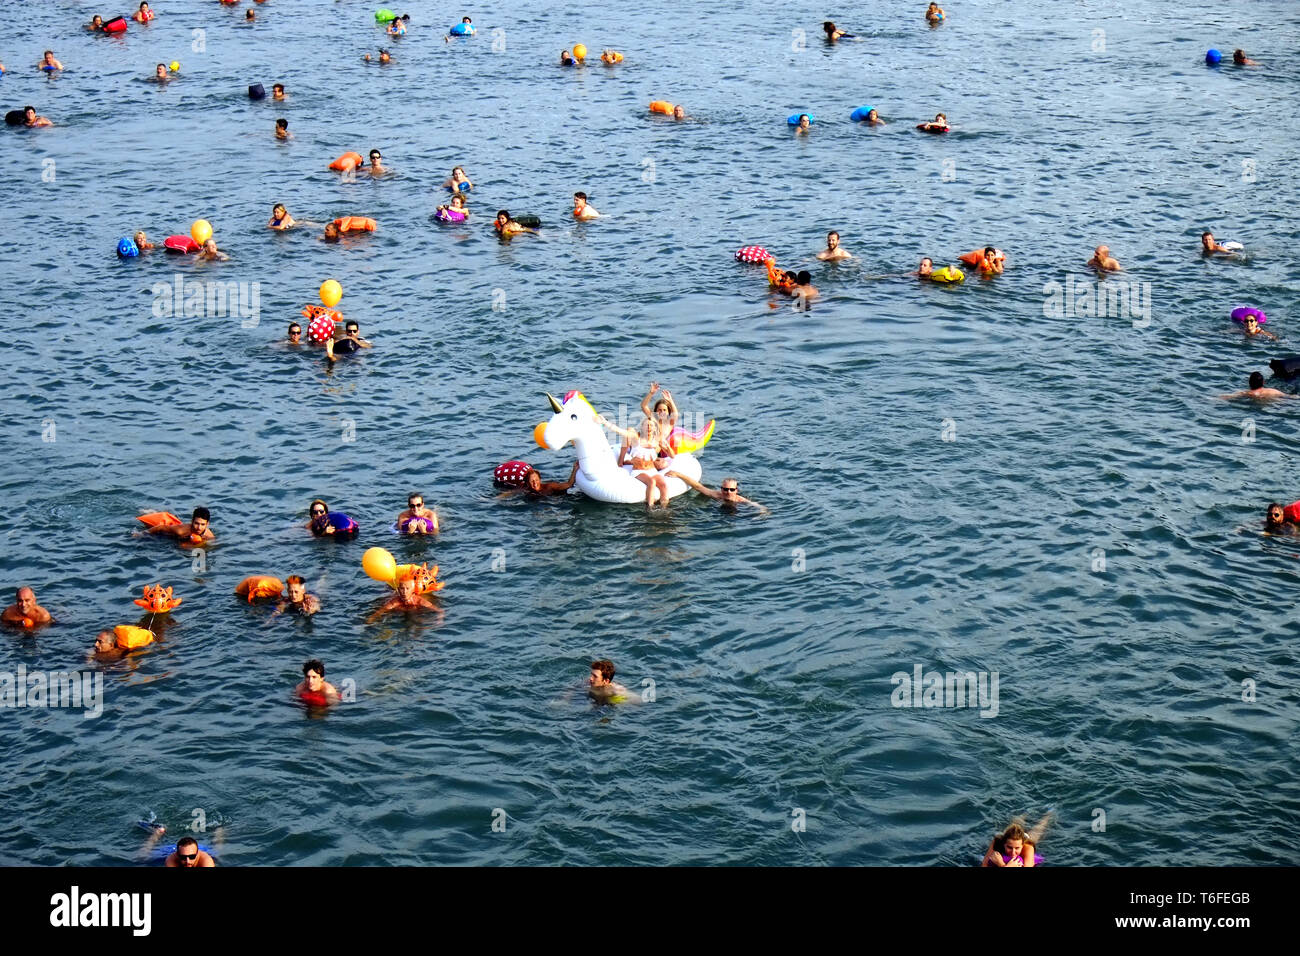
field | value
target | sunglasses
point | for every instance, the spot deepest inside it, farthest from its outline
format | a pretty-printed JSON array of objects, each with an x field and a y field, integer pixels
[
  {"x": 295, "y": 331},
  {"x": 317, "y": 512},
  {"x": 415, "y": 504},
  {"x": 351, "y": 329},
  {"x": 188, "y": 856},
  {"x": 734, "y": 488}
]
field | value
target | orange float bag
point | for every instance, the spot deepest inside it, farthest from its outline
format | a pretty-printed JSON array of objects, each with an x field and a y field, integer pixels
[
  {"x": 347, "y": 161},
  {"x": 259, "y": 586},
  {"x": 662, "y": 106},
  {"x": 129, "y": 637},
  {"x": 355, "y": 224},
  {"x": 160, "y": 519}
]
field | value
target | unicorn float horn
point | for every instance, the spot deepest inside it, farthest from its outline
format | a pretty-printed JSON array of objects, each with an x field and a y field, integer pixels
[{"x": 555, "y": 405}]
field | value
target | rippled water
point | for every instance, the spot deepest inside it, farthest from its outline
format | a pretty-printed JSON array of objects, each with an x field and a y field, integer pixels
[{"x": 770, "y": 641}]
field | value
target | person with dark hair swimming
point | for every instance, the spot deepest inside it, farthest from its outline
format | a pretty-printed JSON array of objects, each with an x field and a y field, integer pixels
[
  {"x": 348, "y": 342},
  {"x": 833, "y": 251},
  {"x": 534, "y": 487},
  {"x": 1250, "y": 329},
  {"x": 1257, "y": 390},
  {"x": 507, "y": 227},
  {"x": 1277, "y": 521},
  {"x": 314, "y": 690},
  {"x": 834, "y": 33},
  {"x": 48, "y": 63},
  {"x": 601, "y": 685},
  {"x": 1239, "y": 57},
  {"x": 417, "y": 519},
  {"x": 333, "y": 523},
  {"x": 31, "y": 120},
  {"x": 195, "y": 531}
]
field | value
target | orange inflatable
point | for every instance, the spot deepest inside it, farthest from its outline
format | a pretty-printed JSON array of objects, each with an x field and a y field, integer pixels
[
  {"x": 347, "y": 161},
  {"x": 662, "y": 106},
  {"x": 355, "y": 224},
  {"x": 159, "y": 519},
  {"x": 129, "y": 638},
  {"x": 426, "y": 578},
  {"x": 259, "y": 586},
  {"x": 315, "y": 311},
  {"x": 976, "y": 257},
  {"x": 158, "y": 599}
]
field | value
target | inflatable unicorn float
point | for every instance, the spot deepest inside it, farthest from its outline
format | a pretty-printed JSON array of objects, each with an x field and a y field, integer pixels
[{"x": 599, "y": 475}]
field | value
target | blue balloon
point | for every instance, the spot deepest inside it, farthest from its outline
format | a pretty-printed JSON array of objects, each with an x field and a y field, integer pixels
[
  {"x": 126, "y": 248},
  {"x": 1213, "y": 56},
  {"x": 860, "y": 113},
  {"x": 793, "y": 118},
  {"x": 464, "y": 187},
  {"x": 462, "y": 30}
]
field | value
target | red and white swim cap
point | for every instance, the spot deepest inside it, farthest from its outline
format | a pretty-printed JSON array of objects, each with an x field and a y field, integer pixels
[
  {"x": 752, "y": 254},
  {"x": 512, "y": 474}
]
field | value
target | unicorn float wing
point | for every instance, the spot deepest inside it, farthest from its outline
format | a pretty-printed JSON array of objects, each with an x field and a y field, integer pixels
[
  {"x": 599, "y": 475},
  {"x": 680, "y": 440}
]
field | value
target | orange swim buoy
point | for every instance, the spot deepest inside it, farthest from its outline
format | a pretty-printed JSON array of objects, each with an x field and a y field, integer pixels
[
  {"x": 426, "y": 578},
  {"x": 259, "y": 586},
  {"x": 129, "y": 637},
  {"x": 158, "y": 599},
  {"x": 160, "y": 519},
  {"x": 355, "y": 224},
  {"x": 662, "y": 106},
  {"x": 347, "y": 161}
]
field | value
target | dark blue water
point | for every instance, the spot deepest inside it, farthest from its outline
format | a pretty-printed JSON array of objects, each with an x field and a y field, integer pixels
[{"x": 770, "y": 641}]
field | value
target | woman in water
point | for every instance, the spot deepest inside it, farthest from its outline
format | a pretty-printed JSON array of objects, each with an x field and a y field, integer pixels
[
  {"x": 458, "y": 182},
  {"x": 934, "y": 14},
  {"x": 397, "y": 25},
  {"x": 454, "y": 211},
  {"x": 664, "y": 415},
  {"x": 280, "y": 218},
  {"x": 323, "y": 522},
  {"x": 1250, "y": 327},
  {"x": 143, "y": 15},
  {"x": 834, "y": 33},
  {"x": 1014, "y": 847},
  {"x": 873, "y": 119},
  {"x": 937, "y": 125},
  {"x": 805, "y": 124},
  {"x": 417, "y": 519},
  {"x": 142, "y": 242}
]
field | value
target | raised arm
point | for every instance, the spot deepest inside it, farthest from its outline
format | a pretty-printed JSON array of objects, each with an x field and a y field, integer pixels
[{"x": 645, "y": 402}]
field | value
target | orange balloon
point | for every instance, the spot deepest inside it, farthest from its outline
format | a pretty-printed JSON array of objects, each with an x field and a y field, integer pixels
[{"x": 539, "y": 434}]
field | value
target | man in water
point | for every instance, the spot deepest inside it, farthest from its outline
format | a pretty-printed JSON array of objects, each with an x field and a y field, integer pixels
[
  {"x": 375, "y": 168},
  {"x": 106, "y": 648},
  {"x": 160, "y": 73},
  {"x": 804, "y": 290},
  {"x": 295, "y": 334},
  {"x": 601, "y": 686},
  {"x": 406, "y": 599},
  {"x": 728, "y": 494},
  {"x": 833, "y": 251},
  {"x": 926, "y": 269},
  {"x": 834, "y": 33},
  {"x": 534, "y": 487},
  {"x": 581, "y": 211},
  {"x": 331, "y": 232},
  {"x": 195, "y": 531},
  {"x": 1102, "y": 260},
  {"x": 282, "y": 129},
  {"x": 1209, "y": 246},
  {"x": 31, "y": 120},
  {"x": 1257, "y": 390},
  {"x": 187, "y": 854},
  {"x": 1239, "y": 57},
  {"x": 415, "y": 509},
  {"x": 25, "y": 612},
  {"x": 350, "y": 341},
  {"x": 1275, "y": 521},
  {"x": 298, "y": 600},
  {"x": 277, "y": 91},
  {"x": 314, "y": 689},
  {"x": 48, "y": 63}
]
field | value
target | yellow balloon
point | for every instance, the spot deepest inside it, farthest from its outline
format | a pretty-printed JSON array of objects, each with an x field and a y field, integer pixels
[
  {"x": 379, "y": 565},
  {"x": 579, "y": 51},
  {"x": 201, "y": 231},
  {"x": 176, "y": 66},
  {"x": 539, "y": 434},
  {"x": 330, "y": 293}
]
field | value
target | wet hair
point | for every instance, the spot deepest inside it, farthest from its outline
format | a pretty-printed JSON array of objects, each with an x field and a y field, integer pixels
[
  {"x": 582, "y": 196},
  {"x": 202, "y": 513},
  {"x": 832, "y": 233},
  {"x": 282, "y": 123},
  {"x": 295, "y": 325},
  {"x": 606, "y": 669},
  {"x": 791, "y": 276},
  {"x": 296, "y": 579},
  {"x": 466, "y": 20},
  {"x": 803, "y": 278},
  {"x": 29, "y": 109},
  {"x": 277, "y": 86},
  {"x": 184, "y": 843},
  {"x": 316, "y": 502},
  {"x": 828, "y": 26},
  {"x": 992, "y": 251},
  {"x": 48, "y": 53},
  {"x": 1256, "y": 380},
  {"x": 314, "y": 664},
  {"x": 503, "y": 212},
  {"x": 1268, "y": 512},
  {"x": 925, "y": 259},
  {"x": 1013, "y": 832},
  {"x": 375, "y": 152}
]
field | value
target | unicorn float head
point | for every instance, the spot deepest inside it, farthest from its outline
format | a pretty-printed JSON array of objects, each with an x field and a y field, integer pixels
[{"x": 599, "y": 475}]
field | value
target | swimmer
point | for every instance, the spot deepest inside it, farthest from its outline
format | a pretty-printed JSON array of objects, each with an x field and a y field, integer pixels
[
  {"x": 417, "y": 519},
  {"x": 458, "y": 181},
  {"x": 610, "y": 57},
  {"x": 457, "y": 204},
  {"x": 804, "y": 289},
  {"x": 298, "y": 600},
  {"x": 277, "y": 91},
  {"x": 581, "y": 211},
  {"x": 934, "y": 14},
  {"x": 49, "y": 63},
  {"x": 106, "y": 648},
  {"x": 384, "y": 57},
  {"x": 280, "y": 218},
  {"x": 926, "y": 269},
  {"x": 331, "y": 233},
  {"x": 1015, "y": 847},
  {"x": 728, "y": 493},
  {"x": 211, "y": 253},
  {"x": 679, "y": 112},
  {"x": 664, "y": 413},
  {"x": 143, "y": 15},
  {"x": 31, "y": 120},
  {"x": 195, "y": 531},
  {"x": 937, "y": 125},
  {"x": 406, "y": 599},
  {"x": 1239, "y": 57},
  {"x": 566, "y": 59},
  {"x": 468, "y": 29},
  {"x": 376, "y": 168},
  {"x": 1250, "y": 328},
  {"x": 1276, "y": 521},
  {"x": 1209, "y": 246},
  {"x": 282, "y": 129},
  {"x": 142, "y": 242},
  {"x": 187, "y": 854},
  {"x": 534, "y": 487},
  {"x": 96, "y": 23},
  {"x": 397, "y": 26},
  {"x": 1257, "y": 391},
  {"x": 873, "y": 119},
  {"x": 25, "y": 612},
  {"x": 347, "y": 343},
  {"x": 601, "y": 686},
  {"x": 778, "y": 280},
  {"x": 295, "y": 334},
  {"x": 833, "y": 251},
  {"x": 994, "y": 262},
  {"x": 834, "y": 33},
  {"x": 160, "y": 74},
  {"x": 643, "y": 451},
  {"x": 805, "y": 124},
  {"x": 507, "y": 227},
  {"x": 1102, "y": 260},
  {"x": 250, "y": 16}
]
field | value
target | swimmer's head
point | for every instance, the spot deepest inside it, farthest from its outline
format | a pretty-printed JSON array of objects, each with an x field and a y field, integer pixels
[
  {"x": 200, "y": 520},
  {"x": 679, "y": 112},
  {"x": 278, "y": 211},
  {"x": 828, "y": 26},
  {"x": 375, "y": 156},
  {"x": 503, "y": 216},
  {"x": 1207, "y": 239},
  {"x": 804, "y": 277},
  {"x": 282, "y": 124},
  {"x": 295, "y": 331},
  {"x": 48, "y": 56},
  {"x": 580, "y": 198},
  {"x": 1013, "y": 840},
  {"x": 96, "y": 21},
  {"x": 250, "y": 15},
  {"x": 187, "y": 848},
  {"x": 331, "y": 231},
  {"x": 140, "y": 238},
  {"x": 210, "y": 245},
  {"x": 318, "y": 509},
  {"x": 941, "y": 119},
  {"x": 1251, "y": 323},
  {"x": 872, "y": 116},
  {"x": 533, "y": 480},
  {"x": 25, "y": 598},
  {"x": 1256, "y": 381},
  {"x": 926, "y": 267},
  {"x": 351, "y": 328},
  {"x": 730, "y": 488},
  {"x": 804, "y": 120},
  {"x": 383, "y": 56},
  {"x": 990, "y": 251},
  {"x": 104, "y": 641},
  {"x": 277, "y": 90},
  {"x": 458, "y": 200},
  {"x": 406, "y": 588},
  {"x": 832, "y": 240},
  {"x": 458, "y": 172},
  {"x": 465, "y": 20},
  {"x": 1275, "y": 515},
  {"x": 160, "y": 70},
  {"x": 1238, "y": 56},
  {"x": 602, "y": 672},
  {"x": 297, "y": 588},
  {"x": 30, "y": 113}
]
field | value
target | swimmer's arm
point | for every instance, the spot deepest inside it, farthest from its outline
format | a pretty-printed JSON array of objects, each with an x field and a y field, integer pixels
[
  {"x": 694, "y": 484},
  {"x": 560, "y": 487},
  {"x": 364, "y": 343},
  {"x": 628, "y": 434},
  {"x": 645, "y": 402},
  {"x": 11, "y": 615},
  {"x": 329, "y": 350},
  {"x": 672, "y": 408},
  {"x": 761, "y": 508},
  {"x": 991, "y": 858},
  {"x": 1028, "y": 855}
]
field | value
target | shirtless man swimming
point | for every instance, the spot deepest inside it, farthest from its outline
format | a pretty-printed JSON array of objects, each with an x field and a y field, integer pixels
[
  {"x": 1257, "y": 391},
  {"x": 406, "y": 599},
  {"x": 581, "y": 211},
  {"x": 833, "y": 251},
  {"x": 314, "y": 689},
  {"x": 196, "y": 530},
  {"x": 1103, "y": 261},
  {"x": 25, "y": 612},
  {"x": 601, "y": 685},
  {"x": 298, "y": 600},
  {"x": 728, "y": 494}
]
